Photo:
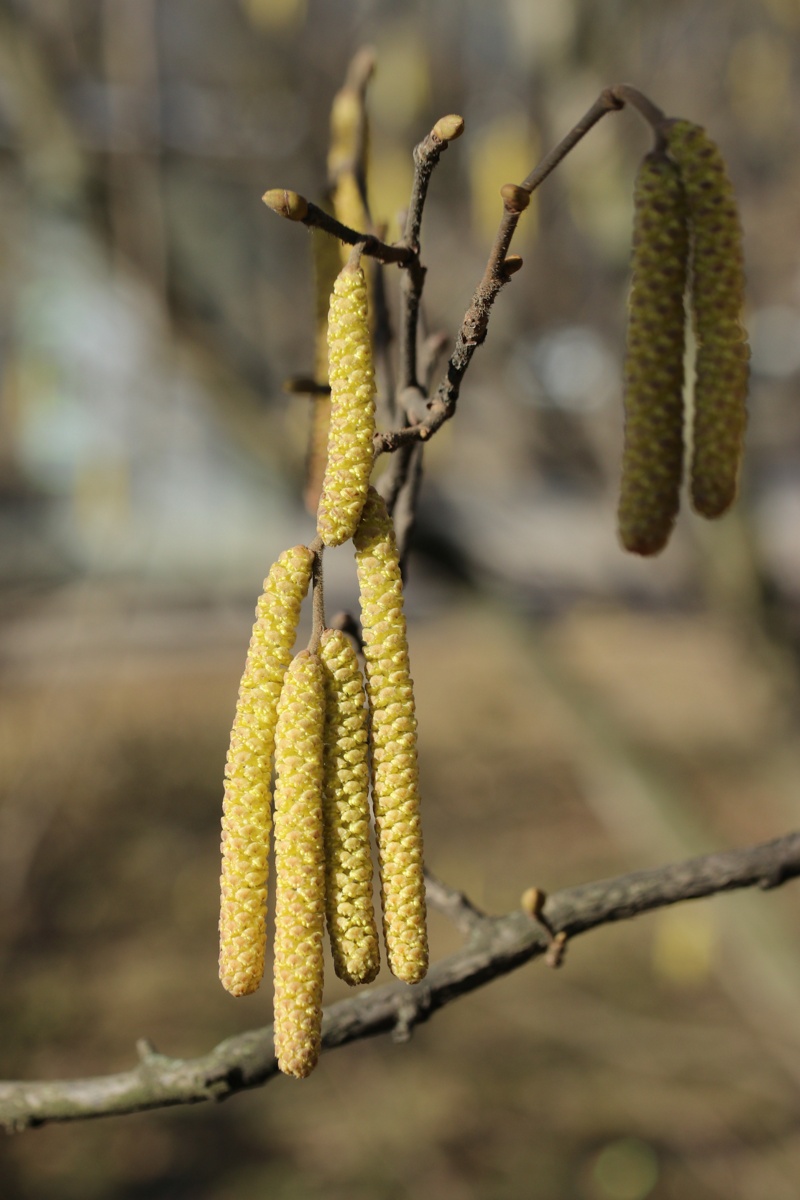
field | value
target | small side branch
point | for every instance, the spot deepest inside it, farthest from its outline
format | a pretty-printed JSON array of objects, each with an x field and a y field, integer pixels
[
  {"x": 474, "y": 327},
  {"x": 426, "y": 156},
  {"x": 497, "y": 946}
]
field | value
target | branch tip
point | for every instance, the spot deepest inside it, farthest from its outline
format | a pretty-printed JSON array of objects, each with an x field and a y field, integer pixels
[
  {"x": 448, "y": 128},
  {"x": 287, "y": 204}
]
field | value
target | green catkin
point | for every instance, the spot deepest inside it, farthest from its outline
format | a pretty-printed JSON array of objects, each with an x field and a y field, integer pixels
[
  {"x": 717, "y": 290},
  {"x": 246, "y": 821},
  {"x": 299, "y": 867},
  {"x": 348, "y": 860},
  {"x": 395, "y": 784},
  {"x": 652, "y": 463},
  {"x": 352, "y": 422}
]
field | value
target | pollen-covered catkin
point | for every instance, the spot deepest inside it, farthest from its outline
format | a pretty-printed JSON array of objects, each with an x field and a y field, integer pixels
[
  {"x": 717, "y": 291},
  {"x": 299, "y": 867},
  {"x": 352, "y": 424},
  {"x": 652, "y": 463},
  {"x": 246, "y": 820},
  {"x": 348, "y": 860},
  {"x": 395, "y": 785}
]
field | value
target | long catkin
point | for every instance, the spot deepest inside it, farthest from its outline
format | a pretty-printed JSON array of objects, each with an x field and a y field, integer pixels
[
  {"x": 246, "y": 820},
  {"x": 394, "y": 743},
  {"x": 352, "y": 421},
  {"x": 717, "y": 291},
  {"x": 299, "y": 867},
  {"x": 348, "y": 860},
  {"x": 652, "y": 464}
]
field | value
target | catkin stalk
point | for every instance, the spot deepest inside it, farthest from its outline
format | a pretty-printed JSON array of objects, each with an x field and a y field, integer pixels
[
  {"x": 394, "y": 743},
  {"x": 652, "y": 463},
  {"x": 348, "y": 860},
  {"x": 299, "y": 867},
  {"x": 352, "y": 422},
  {"x": 246, "y": 820},
  {"x": 717, "y": 290}
]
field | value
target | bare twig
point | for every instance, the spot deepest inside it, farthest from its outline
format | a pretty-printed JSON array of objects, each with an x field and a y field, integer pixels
[
  {"x": 496, "y": 946},
  {"x": 476, "y": 320},
  {"x": 465, "y": 915},
  {"x": 426, "y": 156}
]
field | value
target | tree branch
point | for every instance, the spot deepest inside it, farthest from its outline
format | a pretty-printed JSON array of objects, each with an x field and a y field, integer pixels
[{"x": 495, "y": 946}]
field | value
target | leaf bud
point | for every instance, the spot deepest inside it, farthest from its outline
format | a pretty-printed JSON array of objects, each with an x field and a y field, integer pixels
[
  {"x": 448, "y": 128},
  {"x": 287, "y": 204}
]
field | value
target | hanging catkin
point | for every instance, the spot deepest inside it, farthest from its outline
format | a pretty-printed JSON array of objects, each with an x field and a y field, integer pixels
[
  {"x": 652, "y": 463},
  {"x": 299, "y": 867},
  {"x": 394, "y": 743},
  {"x": 717, "y": 290},
  {"x": 352, "y": 423},
  {"x": 348, "y": 861},
  {"x": 246, "y": 818}
]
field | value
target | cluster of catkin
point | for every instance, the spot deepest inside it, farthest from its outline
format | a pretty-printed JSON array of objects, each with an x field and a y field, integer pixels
[
  {"x": 307, "y": 717},
  {"x": 687, "y": 235}
]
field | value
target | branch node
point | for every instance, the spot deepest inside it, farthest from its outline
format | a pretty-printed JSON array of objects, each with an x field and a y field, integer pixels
[
  {"x": 557, "y": 950},
  {"x": 515, "y": 198},
  {"x": 406, "y": 1018},
  {"x": 146, "y": 1051}
]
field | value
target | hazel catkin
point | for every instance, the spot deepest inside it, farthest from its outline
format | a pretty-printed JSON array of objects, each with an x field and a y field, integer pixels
[
  {"x": 652, "y": 463},
  {"x": 299, "y": 867},
  {"x": 395, "y": 786},
  {"x": 717, "y": 296},
  {"x": 352, "y": 420},
  {"x": 246, "y": 820},
  {"x": 348, "y": 860}
]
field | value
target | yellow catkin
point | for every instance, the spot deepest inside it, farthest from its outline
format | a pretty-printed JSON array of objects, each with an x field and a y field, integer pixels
[
  {"x": 717, "y": 290},
  {"x": 352, "y": 427},
  {"x": 246, "y": 818},
  {"x": 299, "y": 867},
  {"x": 348, "y": 860},
  {"x": 652, "y": 462},
  {"x": 394, "y": 743}
]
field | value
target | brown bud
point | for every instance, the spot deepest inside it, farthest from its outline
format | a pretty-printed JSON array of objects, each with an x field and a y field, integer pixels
[
  {"x": 512, "y": 264},
  {"x": 286, "y": 204},
  {"x": 448, "y": 128},
  {"x": 515, "y": 198}
]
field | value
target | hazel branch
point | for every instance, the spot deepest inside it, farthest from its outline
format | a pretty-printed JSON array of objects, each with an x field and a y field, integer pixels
[
  {"x": 498, "y": 271},
  {"x": 426, "y": 156},
  {"x": 295, "y": 207},
  {"x": 495, "y": 947}
]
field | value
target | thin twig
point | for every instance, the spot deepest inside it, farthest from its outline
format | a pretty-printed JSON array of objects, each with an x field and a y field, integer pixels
[
  {"x": 426, "y": 156},
  {"x": 497, "y": 946},
  {"x": 476, "y": 320},
  {"x": 465, "y": 915}
]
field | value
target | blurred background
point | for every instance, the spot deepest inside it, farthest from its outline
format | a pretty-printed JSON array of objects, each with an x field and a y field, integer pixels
[{"x": 582, "y": 713}]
